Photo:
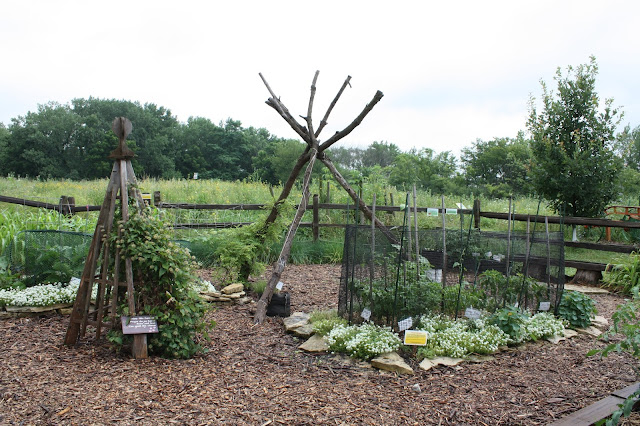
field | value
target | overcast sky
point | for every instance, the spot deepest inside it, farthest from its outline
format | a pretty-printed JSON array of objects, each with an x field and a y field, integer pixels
[{"x": 451, "y": 72}]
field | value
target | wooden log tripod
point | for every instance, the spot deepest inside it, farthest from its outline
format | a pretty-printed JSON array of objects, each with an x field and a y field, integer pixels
[{"x": 122, "y": 185}]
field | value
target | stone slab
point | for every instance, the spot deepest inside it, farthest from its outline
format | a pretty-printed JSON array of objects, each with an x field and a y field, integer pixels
[
  {"x": 315, "y": 344},
  {"x": 590, "y": 331},
  {"x": 37, "y": 309},
  {"x": 585, "y": 289},
  {"x": 295, "y": 320},
  {"x": 392, "y": 362},
  {"x": 233, "y": 288},
  {"x": 427, "y": 364},
  {"x": 304, "y": 331}
]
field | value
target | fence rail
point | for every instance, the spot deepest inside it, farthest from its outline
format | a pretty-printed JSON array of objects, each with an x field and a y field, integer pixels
[{"x": 67, "y": 205}]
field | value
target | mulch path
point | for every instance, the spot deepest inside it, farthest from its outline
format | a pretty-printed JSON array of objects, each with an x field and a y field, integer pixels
[{"x": 256, "y": 376}]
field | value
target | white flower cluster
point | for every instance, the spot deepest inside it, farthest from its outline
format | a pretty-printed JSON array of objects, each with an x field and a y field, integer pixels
[
  {"x": 543, "y": 325},
  {"x": 460, "y": 338},
  {"x": 43, "y": 295},
  {"x": 203, "y": 286},
  {"x": 365, "y": 341}
]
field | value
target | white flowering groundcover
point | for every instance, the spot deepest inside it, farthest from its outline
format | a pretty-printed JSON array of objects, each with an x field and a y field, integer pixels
[
  {"x": 445, "y": 337},
  {"x": 60, "y": 293}
]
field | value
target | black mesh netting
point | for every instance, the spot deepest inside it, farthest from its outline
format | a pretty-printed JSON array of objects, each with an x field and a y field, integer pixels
[
  {"x": 383, "y": 276},
  {"x": 48, "y": 256}
]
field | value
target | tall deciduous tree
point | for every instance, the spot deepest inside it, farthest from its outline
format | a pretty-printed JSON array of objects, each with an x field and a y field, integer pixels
[
  {"x": 574, "y": 164},
  {"x": 499, "y": 167}
]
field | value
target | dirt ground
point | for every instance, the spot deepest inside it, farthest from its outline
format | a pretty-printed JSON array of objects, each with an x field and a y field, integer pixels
[{"x": 256, "y": 376}]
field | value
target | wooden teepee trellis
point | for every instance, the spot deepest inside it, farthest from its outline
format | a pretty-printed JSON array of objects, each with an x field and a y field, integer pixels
[
  {"x": 314, "y": 150},
  {"x": 97, "y": 267}
]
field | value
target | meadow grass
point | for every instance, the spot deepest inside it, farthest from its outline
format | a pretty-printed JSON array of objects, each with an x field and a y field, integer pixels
[{"x": 15, "y": 218}]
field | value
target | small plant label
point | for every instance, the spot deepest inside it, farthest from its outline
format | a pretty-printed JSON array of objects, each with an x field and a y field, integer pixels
[
  {"x": 432, "y": 212},
  {"x": 139, "y": 325},
  {"x": 461, "y": 206},
  {"x": 366, "y": 314},
  {"x": 405, "y": 324},
  {"x": 451, "y": 211},
  {"x": 415, "y": 337},
  {"x": 544, "y": 306},
  {"x": 279, "y": 285},
  {"x": 472, "y": 314}
]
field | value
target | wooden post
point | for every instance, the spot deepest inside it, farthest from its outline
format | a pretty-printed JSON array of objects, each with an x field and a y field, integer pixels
[
  {"x": 415, "y": 228},
  {"x": 444, "y": 251},
  {"x": 476, "y": 213},
  {"x": 328, "y": 199},
  {"x": 315, "y": 226},
  {"x": 373, "y": 252}
]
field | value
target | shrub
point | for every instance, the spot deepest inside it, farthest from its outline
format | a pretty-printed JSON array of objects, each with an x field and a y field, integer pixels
[{"x": 577, "y": 308}]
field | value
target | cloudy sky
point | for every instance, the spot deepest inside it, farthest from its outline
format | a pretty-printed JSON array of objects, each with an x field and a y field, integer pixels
[{"x": 451, "y": 72}]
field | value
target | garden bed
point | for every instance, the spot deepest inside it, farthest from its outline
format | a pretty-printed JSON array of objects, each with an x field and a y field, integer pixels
[{"x": 256, "y": 375}]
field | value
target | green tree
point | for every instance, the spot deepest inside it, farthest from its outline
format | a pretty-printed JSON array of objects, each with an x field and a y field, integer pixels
[
  {"x": 574, "y": 164},
  {"x": 499, "y": 167},
  {"x": 429, "y": 171},
  {"x": 628, "y": 146},
  {"x": 39, "y": 143},
  {"x": 380, "y": 154}
]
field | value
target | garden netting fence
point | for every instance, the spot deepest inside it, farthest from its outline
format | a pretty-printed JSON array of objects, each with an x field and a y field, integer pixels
[
  {"x": 48, "y": 256},
  {"x": 386, "y": 280}
]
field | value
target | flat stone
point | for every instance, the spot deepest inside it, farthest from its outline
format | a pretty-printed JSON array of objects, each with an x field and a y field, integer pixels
[
  {"x": 600, "y": 322},
  {"x": 210, "y": 293},
  {"x": 208, "y": 298},
  {"x": 585, "y": 289},
  {"x": 591, "y": 331},
  {"x": 295, "y": 320},
  {"x": 65, "y": 311},
  {"x": 427, "y": 364},
  {"x": 392, "y": 362},
  {"x": 233, "y": 288},
  {"x": 480, "y": 358},
  {"x": 244, "y": 300},
  {"x": 304, "y": 331},
  {"x": 566, "y": 334},
  {"x": 315, "y": 344},
  {"x": 37, "y": 309},
  {"x": 237, "y": 295}
]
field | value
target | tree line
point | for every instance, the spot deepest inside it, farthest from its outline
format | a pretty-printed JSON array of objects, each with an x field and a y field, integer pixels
[{"x": 569, "y": 155}]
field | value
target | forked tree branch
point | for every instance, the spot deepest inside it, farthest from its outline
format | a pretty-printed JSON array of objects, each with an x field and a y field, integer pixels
[
  {"x": 333, "y": 103},
  {"x": 355, "y": 123}
]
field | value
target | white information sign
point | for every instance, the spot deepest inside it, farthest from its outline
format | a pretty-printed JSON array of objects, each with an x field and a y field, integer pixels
[
  {"x": 432, "y": 212},
  {"x": 544, "y": 306},
  {"x": 279, "y": 285},
  {"x": 366, "y": 314},
  {"x": 472, "y": 313},
  {"x": 451, "y": 211},
  {"x": 405, "y": 324}
]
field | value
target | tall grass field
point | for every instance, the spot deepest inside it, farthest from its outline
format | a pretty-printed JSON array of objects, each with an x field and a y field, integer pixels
[{"x": 15, "y": 218}]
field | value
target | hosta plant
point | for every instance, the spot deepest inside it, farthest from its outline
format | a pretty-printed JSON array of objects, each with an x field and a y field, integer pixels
[{"x": 577, "y": 308}]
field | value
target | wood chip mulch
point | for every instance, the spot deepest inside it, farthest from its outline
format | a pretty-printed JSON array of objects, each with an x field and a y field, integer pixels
[{"x": 256, "y": 376}]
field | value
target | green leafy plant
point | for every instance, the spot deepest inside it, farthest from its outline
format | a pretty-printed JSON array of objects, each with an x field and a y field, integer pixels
[
  {"x": 626, "y": 325},
  {"x": 625, "y": 275},
  {"x": 163, "y": 272},
  {"x": 512, "y": 321},
  {"x": 577, "y": 308},
  {"x": 501, "y": 291}
]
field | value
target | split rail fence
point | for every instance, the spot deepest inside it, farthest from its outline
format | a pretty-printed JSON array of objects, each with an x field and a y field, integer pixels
[{"x": 67, "y": 206}]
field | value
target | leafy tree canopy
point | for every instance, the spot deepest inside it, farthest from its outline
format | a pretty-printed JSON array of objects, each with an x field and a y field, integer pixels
[
  {"x": 574, "y": 164},
  {"x": 499, "y": 167}
]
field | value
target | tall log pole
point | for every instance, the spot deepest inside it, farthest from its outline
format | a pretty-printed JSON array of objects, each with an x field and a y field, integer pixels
[{"x": 261, "y": 310}]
